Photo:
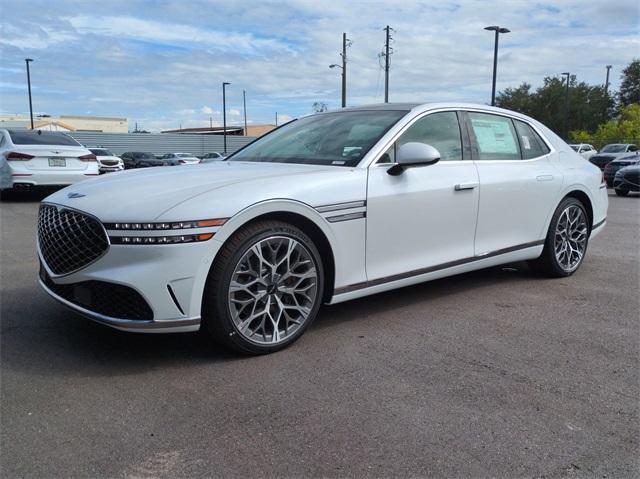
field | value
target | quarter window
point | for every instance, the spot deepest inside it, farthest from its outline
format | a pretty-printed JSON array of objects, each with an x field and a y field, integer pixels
[
  {"x": 531, "y": 144},
  {"x": 494, "y": 137},
  {"x": 440, "y": 130}
]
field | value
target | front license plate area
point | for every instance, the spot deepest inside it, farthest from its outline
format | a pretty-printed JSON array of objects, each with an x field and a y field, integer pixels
[{"x": 57, "y": 161}]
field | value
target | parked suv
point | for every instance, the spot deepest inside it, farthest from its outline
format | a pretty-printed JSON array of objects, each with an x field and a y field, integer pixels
[
  {"x": 611, "y": 152},
  {"x": 107, "y": 161},
  {"x": 585, "y": 150}
]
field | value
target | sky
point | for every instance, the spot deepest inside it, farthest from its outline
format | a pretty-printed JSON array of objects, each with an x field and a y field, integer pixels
[{"x": 161, "y": 63}]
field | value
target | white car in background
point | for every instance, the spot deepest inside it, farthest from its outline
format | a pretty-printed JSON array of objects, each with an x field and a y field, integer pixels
[
  {"x": 43, "y": 158},
  {"x": 182, "y": 158},
  {"x": 107, "y": 161},
  {"x": 585, "y": 150},
  {"x": 327, "y": 208}
]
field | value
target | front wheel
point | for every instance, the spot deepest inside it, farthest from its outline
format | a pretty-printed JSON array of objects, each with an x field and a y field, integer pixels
[
  {"x": 264, "y": 288},
  {"x": 566, "y": 241},
  {"x": 621, "y": 192}
]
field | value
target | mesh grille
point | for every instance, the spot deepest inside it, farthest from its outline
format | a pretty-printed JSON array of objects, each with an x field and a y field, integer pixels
[
  {"x": 69, "y": 240},
  {"x": 109, "y": 299}
]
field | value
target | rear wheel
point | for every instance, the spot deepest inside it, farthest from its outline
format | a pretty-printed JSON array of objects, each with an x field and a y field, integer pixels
[
  {"x": 621, "y": 192},
  {"x": 264, "y": 288},
  {"x": 566, "y": 241}
]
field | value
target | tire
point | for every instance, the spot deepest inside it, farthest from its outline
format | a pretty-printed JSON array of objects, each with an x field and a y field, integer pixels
[
  {"x": 291, "y": 292},
  {"x": 559, "y": 258},
  {"x": 621, "y": 192}
]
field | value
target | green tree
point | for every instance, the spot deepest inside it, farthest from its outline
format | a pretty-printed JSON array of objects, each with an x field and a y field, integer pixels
[
  {"x": 624, "y": 129},
  {"x": 630, "y": 86},
  {"x": 587, "y": 104}
]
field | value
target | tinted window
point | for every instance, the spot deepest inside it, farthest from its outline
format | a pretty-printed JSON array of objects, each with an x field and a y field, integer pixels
[
  {"x": 574, "y": 147},
  {"x": 145, "y": 156},
  {"x": 494, "y": 137},
  {"x": 633, "y": 148},
  {"x": 440, "y": 130},
  {"x": 531, "y": 144},
  {"x": 100, "y": 152},
  {"x": 41, "y": 138},
  {"x": 339, "y": 139},
  {"x": 613, "y": 149}
]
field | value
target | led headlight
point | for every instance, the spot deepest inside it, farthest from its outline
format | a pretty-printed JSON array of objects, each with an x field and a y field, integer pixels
[
  {"x": 146, "y": 240},
  {"x": 166, "y": 226}
]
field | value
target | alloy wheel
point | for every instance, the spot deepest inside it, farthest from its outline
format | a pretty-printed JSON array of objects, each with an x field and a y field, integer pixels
[
  {"x": 273, "y": 290},
  {"x": 571, "y": 238}
]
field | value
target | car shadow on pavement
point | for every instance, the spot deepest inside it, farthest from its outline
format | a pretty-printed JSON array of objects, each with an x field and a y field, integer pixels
[
  {"x": 29, "y": 195},
  {"x": 422, "y": 293},
  {"x": 46, "y": 338}
]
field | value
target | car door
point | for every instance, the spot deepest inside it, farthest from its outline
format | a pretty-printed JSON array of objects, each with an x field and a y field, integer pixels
[
  {"x": 518, "y": 184},
  {"x": 424, "y": 217}
]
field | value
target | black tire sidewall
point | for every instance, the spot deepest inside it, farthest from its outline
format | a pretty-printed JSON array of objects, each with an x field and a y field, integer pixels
[{"x": 224, "y": 328}]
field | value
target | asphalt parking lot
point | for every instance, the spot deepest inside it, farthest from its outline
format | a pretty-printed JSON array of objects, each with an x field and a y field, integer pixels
[{"x": 494, "y": 373}]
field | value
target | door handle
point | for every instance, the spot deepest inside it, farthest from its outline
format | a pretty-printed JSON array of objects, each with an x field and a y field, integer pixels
[
  {"x": 544, "y": 177},
  {"x": 465, "y": 186}
]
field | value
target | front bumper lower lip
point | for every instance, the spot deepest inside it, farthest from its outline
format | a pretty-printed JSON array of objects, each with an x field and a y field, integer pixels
[{"x": 125, "y": 324}]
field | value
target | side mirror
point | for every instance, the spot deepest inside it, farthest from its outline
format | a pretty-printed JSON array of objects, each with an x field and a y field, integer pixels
[{"x": 414, "y": 154}]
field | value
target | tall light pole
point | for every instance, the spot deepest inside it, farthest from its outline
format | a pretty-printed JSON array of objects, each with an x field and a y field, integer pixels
[
  {"x": 244, "y": 106},
  {"x": 565, "y": 123},
  {"x": 27, "y": 61},
  {"x": 387, "y": 52},
  {"x": 606, "y": 94},
  {"x": 224, "y": 114},
  {"x": 498, "y": 31}
]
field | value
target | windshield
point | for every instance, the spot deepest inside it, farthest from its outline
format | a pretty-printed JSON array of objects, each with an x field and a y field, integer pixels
[
  {"x": 184, "y": 155},
  {"x": 146, "y": 156},
  {"x": 613, "y": 149},
  {"x": 40, "y": 137},
  {"x": 100, "y": 152},
  {"x": 340, "y": 139},
  {"x": 575, "y": 147}
]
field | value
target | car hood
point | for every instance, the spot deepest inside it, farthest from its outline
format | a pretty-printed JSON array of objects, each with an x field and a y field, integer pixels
[{"x": 222, "y": 188}]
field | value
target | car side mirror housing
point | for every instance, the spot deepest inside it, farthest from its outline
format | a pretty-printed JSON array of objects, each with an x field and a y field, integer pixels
[{"x": 413, "y": 154}]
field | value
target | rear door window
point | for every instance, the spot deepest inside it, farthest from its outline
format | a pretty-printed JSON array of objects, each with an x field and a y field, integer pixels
[
  {"x": 494, "y": 137},
  {"x": 531, "y": 145}
]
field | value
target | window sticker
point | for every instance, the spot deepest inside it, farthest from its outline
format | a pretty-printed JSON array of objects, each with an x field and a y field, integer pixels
[
  {"x": 494, "y": 136},
  {"x": 525, "y": 142}
]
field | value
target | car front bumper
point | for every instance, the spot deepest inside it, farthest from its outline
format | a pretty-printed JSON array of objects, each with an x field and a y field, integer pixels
[{"x": 169, "y": 278}]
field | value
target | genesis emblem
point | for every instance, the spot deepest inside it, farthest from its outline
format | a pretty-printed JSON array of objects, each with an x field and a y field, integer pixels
[{"x": 75, "y": 195}]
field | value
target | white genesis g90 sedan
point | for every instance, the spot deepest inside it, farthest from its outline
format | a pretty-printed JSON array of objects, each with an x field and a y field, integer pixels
[{"x": 324, "y": 209}]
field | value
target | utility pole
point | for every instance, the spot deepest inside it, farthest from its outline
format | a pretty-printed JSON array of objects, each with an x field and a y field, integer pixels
[
  {"x": 498, "y": 31},
  {"x": 565, "y": 124},
  {"x": 344, "y": 70},
  {"x": 606, "y": 95},
  {"x": 276, "y": 118},
  {"x": 244, "y": 106},
  {"x": 386, "y": 63},
  {"x": 224, "y": 114},
  {"x": 211, "y": 122},
  {"x": 27, "y": 61}
]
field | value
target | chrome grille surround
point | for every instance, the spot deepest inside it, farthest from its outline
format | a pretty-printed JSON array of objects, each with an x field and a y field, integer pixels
[{"x": 69, "y": 240}]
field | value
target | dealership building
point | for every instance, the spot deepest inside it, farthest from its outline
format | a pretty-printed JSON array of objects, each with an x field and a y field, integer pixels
[{"x": 67, "y": 123}]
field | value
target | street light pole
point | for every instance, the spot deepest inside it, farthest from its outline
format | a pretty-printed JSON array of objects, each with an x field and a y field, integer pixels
[
  {"x": 565, "y": 124},
  {"x": 224, "y": 114},
  {"x": 244, "y": 106},
  {"x": 27, "y": 61},
  {"x": 386, "y": 63},
  {"x": 606, "y": 94},
  {"x": 498, "y": 31}
]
